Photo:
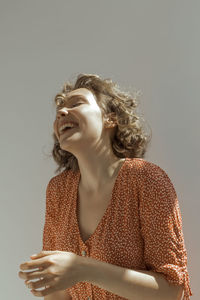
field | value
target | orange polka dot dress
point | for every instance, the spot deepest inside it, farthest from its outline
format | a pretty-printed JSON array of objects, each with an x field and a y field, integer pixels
[{"x": 141, "y": 228}]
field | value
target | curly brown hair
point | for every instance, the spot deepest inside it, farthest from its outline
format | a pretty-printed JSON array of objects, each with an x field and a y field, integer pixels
[{"x": 130, "y": 139}]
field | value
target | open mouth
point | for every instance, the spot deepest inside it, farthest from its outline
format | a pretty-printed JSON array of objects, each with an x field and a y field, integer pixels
[{"x": 67, "y": 129}]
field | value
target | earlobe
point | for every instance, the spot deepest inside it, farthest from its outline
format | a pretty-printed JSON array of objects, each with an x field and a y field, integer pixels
[
  {"x": 109, "y": 123},
  {"x": 110, "y": 120}
]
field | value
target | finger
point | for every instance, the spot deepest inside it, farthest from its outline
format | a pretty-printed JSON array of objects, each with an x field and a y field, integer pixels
[
  {"x": 44, "y": 292},
  {"x": 34, "y": 264},
  {"x": 32, "y": 275},
  {"x": 44, "y": 282},
  {"x": 24, "y": 275},
  {"x": 43, "y": 253}
]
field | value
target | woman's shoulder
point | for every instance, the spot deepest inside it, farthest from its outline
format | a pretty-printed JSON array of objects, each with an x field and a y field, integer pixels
[
  {"x": 142, "y": 165},
  {"x": 146, "y": 170},
  {"x": 63, "y": 177}
]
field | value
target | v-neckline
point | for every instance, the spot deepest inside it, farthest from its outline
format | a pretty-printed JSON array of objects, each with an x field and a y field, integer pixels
[{"x": 76, "y": 199}]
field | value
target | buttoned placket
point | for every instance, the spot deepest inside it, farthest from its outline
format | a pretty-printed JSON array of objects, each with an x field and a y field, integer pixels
[{"x": 85, "y": 252}]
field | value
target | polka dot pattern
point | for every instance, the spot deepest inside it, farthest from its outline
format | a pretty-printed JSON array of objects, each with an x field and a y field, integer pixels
[{"x": 141, "y": 228}]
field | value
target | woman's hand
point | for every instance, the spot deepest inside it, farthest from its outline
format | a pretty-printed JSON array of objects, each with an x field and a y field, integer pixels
[{"x": 58, "y": 270}]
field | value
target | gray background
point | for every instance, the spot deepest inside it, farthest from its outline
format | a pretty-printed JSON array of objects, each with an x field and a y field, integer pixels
[{"x": 152, "y": 46}]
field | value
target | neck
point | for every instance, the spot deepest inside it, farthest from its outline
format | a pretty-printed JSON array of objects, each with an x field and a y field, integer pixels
[{"x": 97, "y": 171}]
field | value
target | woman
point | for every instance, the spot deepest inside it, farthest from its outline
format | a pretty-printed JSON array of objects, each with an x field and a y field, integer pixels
[{"x": 113, "y": 227}]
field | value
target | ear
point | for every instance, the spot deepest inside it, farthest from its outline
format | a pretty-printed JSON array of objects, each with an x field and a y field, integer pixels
[{"x": 110, "y": 120}]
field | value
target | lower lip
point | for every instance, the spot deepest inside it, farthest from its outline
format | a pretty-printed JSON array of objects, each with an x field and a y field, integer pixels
[{"x": 68, "y": 130}]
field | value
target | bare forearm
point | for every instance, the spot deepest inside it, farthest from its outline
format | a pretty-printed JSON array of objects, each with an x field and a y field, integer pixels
[{"x": 130, "y": 284}]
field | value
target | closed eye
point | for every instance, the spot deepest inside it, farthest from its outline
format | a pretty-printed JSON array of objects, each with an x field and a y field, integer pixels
[
  {"x": 73, "y": 105},
  {"x": 76, "y": 104}
]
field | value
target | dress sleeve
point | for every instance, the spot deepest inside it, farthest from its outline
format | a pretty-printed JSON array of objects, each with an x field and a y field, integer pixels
[
  {"x": 49, "y": 229},
  {"x": 161, "y": 229}
]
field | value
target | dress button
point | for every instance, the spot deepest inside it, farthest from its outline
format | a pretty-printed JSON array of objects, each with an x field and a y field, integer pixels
[{"x": 83, "y": 253}]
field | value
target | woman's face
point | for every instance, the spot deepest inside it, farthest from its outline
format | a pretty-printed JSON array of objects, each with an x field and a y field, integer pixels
[{"x": 79, "y": 107}]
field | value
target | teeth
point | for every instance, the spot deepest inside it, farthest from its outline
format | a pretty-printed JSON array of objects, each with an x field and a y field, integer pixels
[{"x": 66, "y": 125}]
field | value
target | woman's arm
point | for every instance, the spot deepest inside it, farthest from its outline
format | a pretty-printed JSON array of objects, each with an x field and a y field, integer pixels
[
  {"x": 131, "y": 284},
  {"x": 60, "y": 295}
]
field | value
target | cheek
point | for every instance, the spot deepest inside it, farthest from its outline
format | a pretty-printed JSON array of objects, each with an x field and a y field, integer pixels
[
  {"x": 95, "y": 125},
  {"x": 90, "y": 118},
  {"x": 96, "y": 117},
  {"x": 55, "y": 128}
]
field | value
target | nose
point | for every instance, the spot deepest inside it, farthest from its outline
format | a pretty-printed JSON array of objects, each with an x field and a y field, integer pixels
[{"x": 61, "y": 113}]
